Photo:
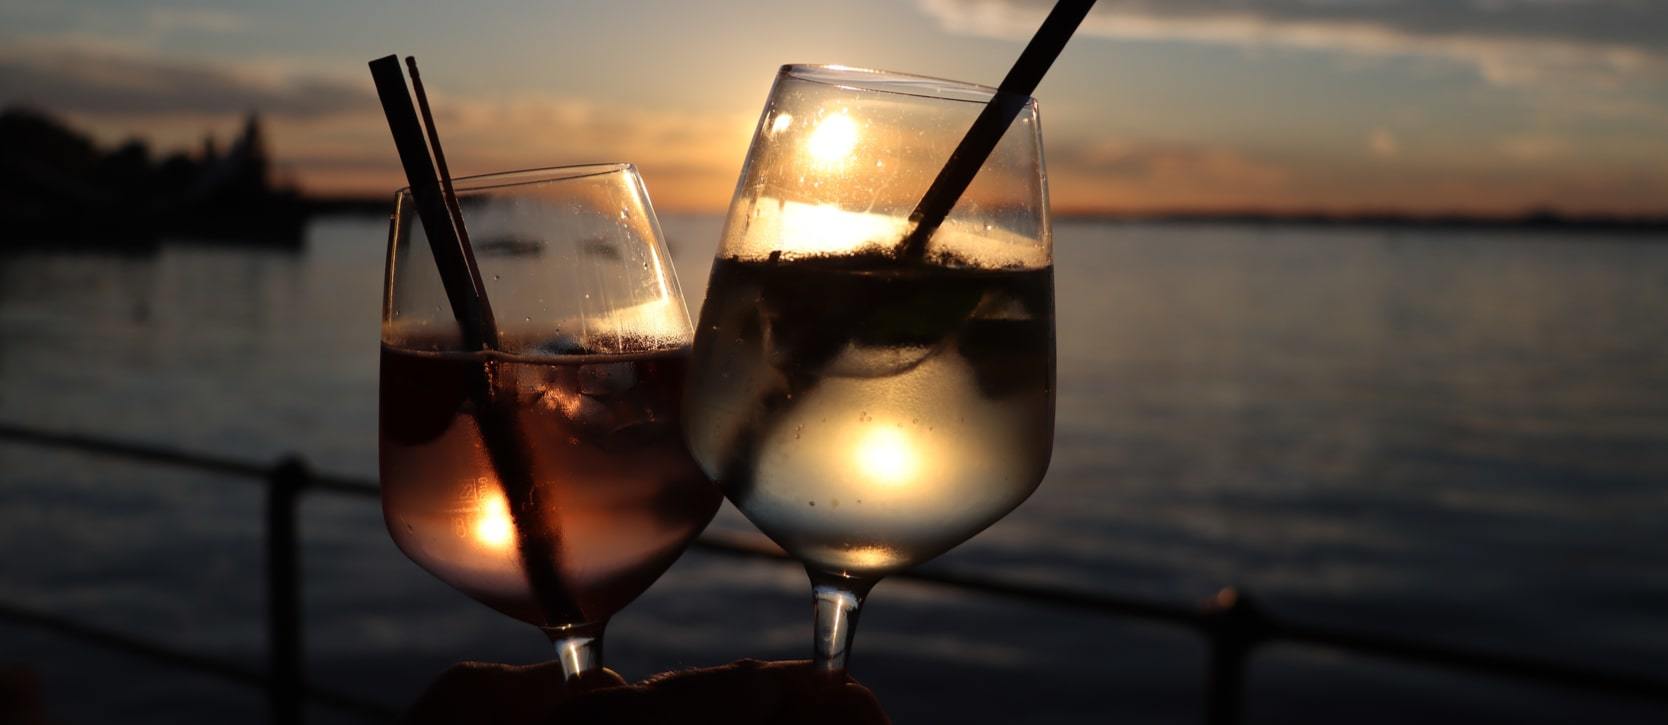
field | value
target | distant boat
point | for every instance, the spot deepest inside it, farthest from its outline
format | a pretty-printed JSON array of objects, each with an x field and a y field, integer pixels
[{"x": 509, "y": 246}]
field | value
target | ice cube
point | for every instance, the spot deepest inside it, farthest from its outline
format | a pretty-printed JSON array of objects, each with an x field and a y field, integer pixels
[
  {"x": 878, "y": 361},
  {"x": 590, "y": 417},
  {"x": 639, "y": 435},
  {"x": 561, "y": 346},
  {"x": 607, "y": 378},
  {"x": 999, "y": 304}
]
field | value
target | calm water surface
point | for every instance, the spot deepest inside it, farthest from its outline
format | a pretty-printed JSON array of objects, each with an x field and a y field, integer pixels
[{"x": 1460, "y": 436}]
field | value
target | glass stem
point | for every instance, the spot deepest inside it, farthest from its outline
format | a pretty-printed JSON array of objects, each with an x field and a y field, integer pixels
[
  {"x": 578, "y": 647},
  {"x": 836, "y": 601}
]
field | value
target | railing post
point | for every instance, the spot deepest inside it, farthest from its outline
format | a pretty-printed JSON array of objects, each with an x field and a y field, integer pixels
[
  {"x": 1234, "y": 628},
  {"x": 283, "y": 589}
]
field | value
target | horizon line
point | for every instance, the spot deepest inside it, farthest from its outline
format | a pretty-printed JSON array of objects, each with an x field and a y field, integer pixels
[{"x": 1540, "y": 215}]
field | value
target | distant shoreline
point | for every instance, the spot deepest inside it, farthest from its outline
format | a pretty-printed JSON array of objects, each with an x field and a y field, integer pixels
[
  {"x": 1538, "y": 219},
  {"x": 1544, "y": 220}
]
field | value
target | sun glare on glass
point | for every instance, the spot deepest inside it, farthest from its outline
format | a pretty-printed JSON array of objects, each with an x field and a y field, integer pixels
[
  {"x": 782, "y": 122},
  {"x": 493, "y": 527},
  {"x": 885, "y": 456},
  {"x": 833, "y": 140}
]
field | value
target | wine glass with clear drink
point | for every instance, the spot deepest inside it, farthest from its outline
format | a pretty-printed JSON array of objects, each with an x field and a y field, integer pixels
[
  {"x": 546, "y": 478},
  {"x": 868, "y": 406}
]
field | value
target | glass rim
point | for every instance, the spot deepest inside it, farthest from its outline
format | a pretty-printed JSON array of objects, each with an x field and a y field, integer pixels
[
  {"x": 875, "y": 80},
  {"x": 535, "y": 175}
]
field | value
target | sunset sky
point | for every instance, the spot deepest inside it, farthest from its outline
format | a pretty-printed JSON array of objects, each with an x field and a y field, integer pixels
[{"x": 1424, "y": 105}]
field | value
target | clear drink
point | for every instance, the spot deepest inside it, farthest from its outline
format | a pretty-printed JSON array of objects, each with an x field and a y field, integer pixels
[
  {"x": 871, "y": 387},
  {"x": 868, "y": 415},
  {"x": 611, "y": 490}
]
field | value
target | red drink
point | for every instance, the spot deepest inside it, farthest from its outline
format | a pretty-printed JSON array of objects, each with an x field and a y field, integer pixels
[{"x": 610, "y": 495}]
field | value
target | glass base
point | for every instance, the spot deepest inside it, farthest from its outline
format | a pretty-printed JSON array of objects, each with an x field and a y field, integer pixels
[
  {"x": 836, "y": 601},
  {"x": 578, "y": 647}
]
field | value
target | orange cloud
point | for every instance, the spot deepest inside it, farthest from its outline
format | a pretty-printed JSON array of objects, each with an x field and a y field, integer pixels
[
  {"x": 328, "y": 133},
  {"x": 93, "y": 78},
  {"x": 690, "y": 160},
  {"x": 1141, "y": 175}
]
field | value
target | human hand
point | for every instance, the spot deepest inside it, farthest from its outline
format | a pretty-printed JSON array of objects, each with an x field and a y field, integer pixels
[
  {"x": 20, "y": 696},
  {"x": 494, "y": 694},
  {"x": 747, "y": 692}
]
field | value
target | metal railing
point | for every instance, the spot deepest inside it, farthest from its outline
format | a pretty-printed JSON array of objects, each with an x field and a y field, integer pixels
[{"x": 1231, "y": 624}]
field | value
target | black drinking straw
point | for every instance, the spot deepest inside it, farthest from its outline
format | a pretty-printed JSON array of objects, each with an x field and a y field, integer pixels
[
  {"x": 446, "y": 186},
  {"x": 458, "y": 273},
  {"x": 442, "y": 220},
  {"x": 1011, "y": 98}
]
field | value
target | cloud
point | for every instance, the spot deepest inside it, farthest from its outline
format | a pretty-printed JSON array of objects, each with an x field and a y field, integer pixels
[
  {"x": 202, "y": 20},
  {"x": 1533, "y": 147},
  {"x": 329, "y": 131},
  {"x": 1129, "y": 173},
  {"x": 91, "y": 79},
  {"x": 1509, "y": 42},
  {"x": 1119, "y": 158},
  {"x": 689, "y": 159},
  {"x": 1382, "y": 143},
  {"x": 1507, "y": 176}
]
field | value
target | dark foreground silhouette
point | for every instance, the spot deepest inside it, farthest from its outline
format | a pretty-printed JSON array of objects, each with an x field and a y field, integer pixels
[
  {"x": 20, "y": 696},
  {"x": 57, "y": 187},
  {"x": 747, "y": 692}
]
